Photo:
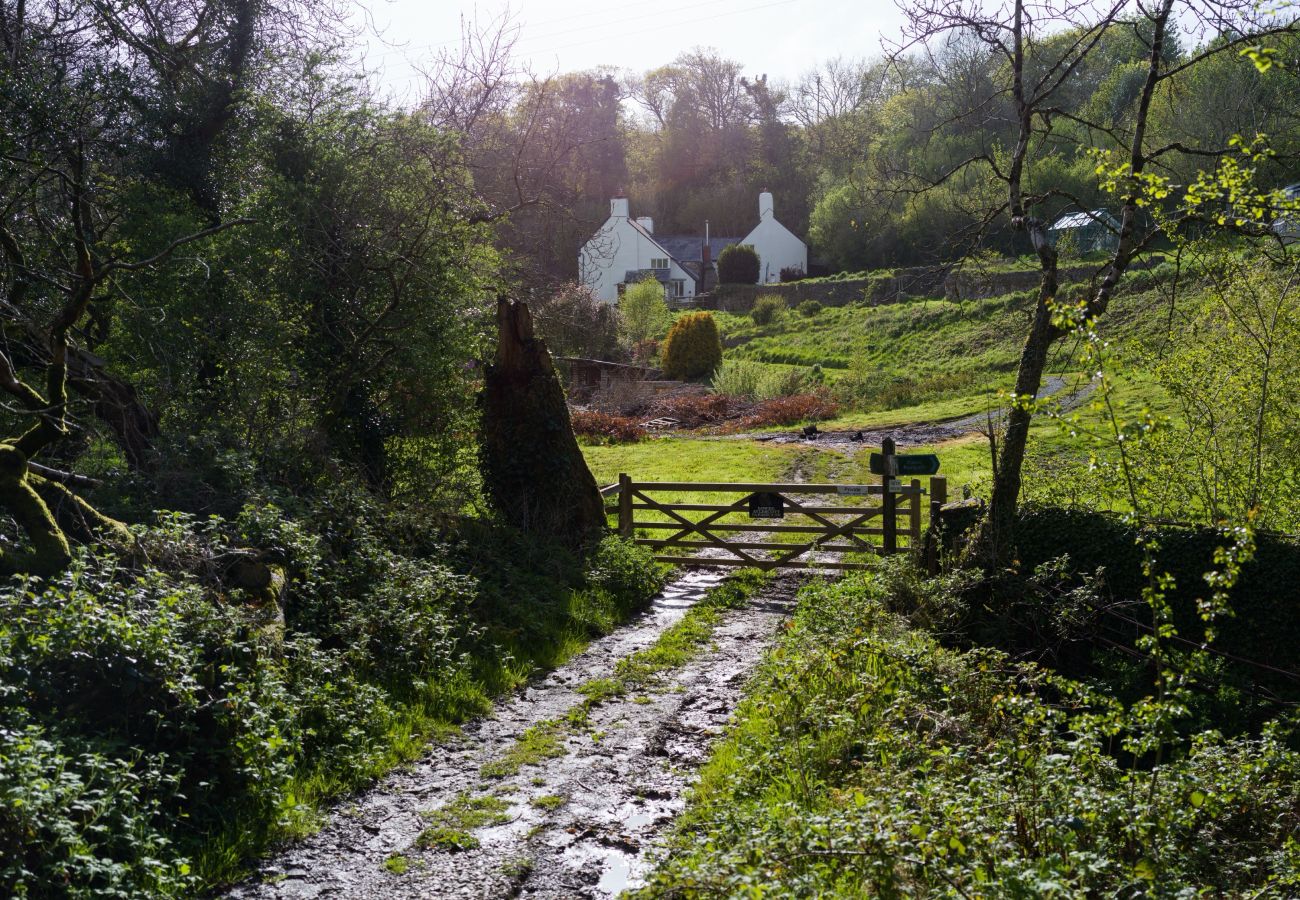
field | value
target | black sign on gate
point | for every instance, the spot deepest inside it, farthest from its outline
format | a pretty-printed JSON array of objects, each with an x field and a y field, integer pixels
[{"x": 766, "y": 505}]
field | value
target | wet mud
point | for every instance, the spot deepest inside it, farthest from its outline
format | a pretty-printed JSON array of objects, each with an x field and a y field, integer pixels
[{"x": 581, "y": 823}]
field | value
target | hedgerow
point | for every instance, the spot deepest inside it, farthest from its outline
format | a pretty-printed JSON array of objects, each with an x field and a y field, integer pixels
[
  {"x": 159, "y": 726},
  {"x": 870, "y": 760}
]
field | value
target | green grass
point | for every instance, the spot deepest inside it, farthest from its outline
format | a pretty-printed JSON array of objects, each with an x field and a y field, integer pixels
[
  {"x": 397, "y": 864},
  {"x": 451, "y": 825},
  {"x": 549, "y": 802},
  {"x": 544, "y": 740},
  {"x": 672, "y": 649}
]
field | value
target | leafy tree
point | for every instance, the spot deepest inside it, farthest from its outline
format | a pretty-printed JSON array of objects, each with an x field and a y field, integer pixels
[
  {"x": 644, "y": 311},
  {"x": 574, "y": 322},
  {"x": 738, "y": 264},
  {"x": 1029, "y": 70}
]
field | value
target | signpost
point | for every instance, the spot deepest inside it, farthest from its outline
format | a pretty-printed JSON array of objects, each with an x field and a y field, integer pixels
[{"x": 904, "y": 464}]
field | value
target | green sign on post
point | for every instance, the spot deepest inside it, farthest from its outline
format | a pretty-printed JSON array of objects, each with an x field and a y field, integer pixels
[{"x": 907, "y": 464}]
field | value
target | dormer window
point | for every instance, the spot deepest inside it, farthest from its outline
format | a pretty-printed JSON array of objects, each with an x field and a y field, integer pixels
[{"x": 659, "y": 263}]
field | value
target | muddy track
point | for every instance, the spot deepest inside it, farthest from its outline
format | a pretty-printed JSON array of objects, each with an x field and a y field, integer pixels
[
  {"x": 580, "y": 824},
  {"x": 913, "y": 434}
]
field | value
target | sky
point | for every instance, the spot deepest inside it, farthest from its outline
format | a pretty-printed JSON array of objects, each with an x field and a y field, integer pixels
[{"x": 780, "y": 38}]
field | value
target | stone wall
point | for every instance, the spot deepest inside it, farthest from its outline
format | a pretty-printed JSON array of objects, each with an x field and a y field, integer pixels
[
  {"x": 902, "y": 284},
  {"x": 925, "y": 281}
]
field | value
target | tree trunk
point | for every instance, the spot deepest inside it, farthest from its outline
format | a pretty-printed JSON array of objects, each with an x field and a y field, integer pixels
[
  {"x": 994, "y": 543},
  {"x": 533, "y": 470}
]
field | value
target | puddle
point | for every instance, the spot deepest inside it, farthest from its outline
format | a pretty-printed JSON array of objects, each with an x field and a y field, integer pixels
[{"x": 584, "y": 823}]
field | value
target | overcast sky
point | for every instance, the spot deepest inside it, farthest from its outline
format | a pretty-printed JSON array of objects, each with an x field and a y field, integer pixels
[{"x": 782, "y": 38}]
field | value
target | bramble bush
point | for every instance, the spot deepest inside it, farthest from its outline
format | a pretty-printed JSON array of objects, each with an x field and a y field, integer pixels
[
  {"x": 869, "y": 760},
  {"x": 793, "y": 410},
  {"x": 693, "y": 348}
]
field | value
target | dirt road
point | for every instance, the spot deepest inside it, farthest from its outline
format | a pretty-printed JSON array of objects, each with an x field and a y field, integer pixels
[
  {"x": 915, "y": 434},
  {"x": 577, "y": 824}
]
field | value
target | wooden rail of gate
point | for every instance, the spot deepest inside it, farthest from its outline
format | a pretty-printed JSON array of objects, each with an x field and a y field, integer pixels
[{"x": 826, "y": 526}]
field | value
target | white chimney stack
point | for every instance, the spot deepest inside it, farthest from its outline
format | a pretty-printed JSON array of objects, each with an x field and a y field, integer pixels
[
  {"x": 618, "y": 208},
  {"x": 765, "y": 205},
  {"x": 647, "y": 223}
]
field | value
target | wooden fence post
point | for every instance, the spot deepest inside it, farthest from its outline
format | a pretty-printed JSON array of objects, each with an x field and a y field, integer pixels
[
  {"x": 624, "y": 504},
  {"x": 914, "y": 515},
  {"x": 889, "y": 500},
  {"x": 934, "y": 548}
]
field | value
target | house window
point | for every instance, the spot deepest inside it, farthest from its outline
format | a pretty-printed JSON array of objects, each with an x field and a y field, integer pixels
[
  {"x": 677, "y": 287},
  {"x": 659, "y": 263}
]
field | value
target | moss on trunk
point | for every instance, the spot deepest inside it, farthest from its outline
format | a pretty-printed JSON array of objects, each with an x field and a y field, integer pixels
[{"x": 49, "y": 553}]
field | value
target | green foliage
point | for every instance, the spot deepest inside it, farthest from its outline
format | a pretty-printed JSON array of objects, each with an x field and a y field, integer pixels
[
  {"x": 644, "y": 312},
  {"x": 767, "y": 309},
  {"x": 809, "y": 308},
  {"x": 869, "y": 760},
  {"x": 738, "y": 264},
  {"x": 693, "y": 348},
  {"x": 159, "y": 726}
]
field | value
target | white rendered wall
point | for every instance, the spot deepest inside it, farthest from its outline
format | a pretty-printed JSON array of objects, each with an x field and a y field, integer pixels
[
  {"x": 777, "y": 248},
  {"x": 616, "y": 248}
]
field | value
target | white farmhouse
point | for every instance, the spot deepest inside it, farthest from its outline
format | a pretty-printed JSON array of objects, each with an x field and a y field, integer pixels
[{"x": 626, "y": 250}]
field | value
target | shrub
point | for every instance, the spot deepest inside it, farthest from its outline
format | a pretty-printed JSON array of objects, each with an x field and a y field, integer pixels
[
  {"x": 644, "y": 311},
  {"x": 738, "y": 378},
  {"x": 767, "y": 309},
  {"x": 693, "y": 348},
  {"x": 606, "y": 427},
  {"x": 809, "y": 308},
  {"x": 785, "y": 382},
  {"x": 793, "y": 273},
  {"x": 738, "y": 264}
]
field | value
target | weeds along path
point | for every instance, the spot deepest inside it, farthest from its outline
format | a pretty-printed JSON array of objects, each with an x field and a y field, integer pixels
[{"x": 563, "y": 790}]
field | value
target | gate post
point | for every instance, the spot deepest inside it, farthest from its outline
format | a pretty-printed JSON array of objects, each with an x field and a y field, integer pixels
[
  {"x": 888, "y": 500},
  {"x": 624, "y": 505},
  {"x": 914, "y": 518},
  {"x": 933, "y": 546}
]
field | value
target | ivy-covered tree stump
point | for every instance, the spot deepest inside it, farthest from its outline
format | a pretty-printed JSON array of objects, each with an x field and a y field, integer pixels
[{"x": 533, "y": 470}]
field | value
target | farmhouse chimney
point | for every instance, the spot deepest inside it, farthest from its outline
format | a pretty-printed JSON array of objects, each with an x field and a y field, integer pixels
[
  {"x": 765, "y": 205},
  {"x": 647, "y": 223},
  {"x": 706, "y": 253},
  {"x": 618, "y": 208}
]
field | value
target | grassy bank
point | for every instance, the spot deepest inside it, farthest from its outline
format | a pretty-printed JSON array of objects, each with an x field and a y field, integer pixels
[{"x": 869, "y": 760}]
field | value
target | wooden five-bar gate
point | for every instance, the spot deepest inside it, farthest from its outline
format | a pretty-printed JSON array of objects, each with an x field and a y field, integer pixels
[{"x": 832, "y": 521}]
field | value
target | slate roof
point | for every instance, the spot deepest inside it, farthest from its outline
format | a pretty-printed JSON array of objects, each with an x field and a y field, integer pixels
[{"x": 686, "y": 247}]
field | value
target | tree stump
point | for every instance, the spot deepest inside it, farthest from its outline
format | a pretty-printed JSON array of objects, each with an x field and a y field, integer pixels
[{"x": 533, "y": 470}]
